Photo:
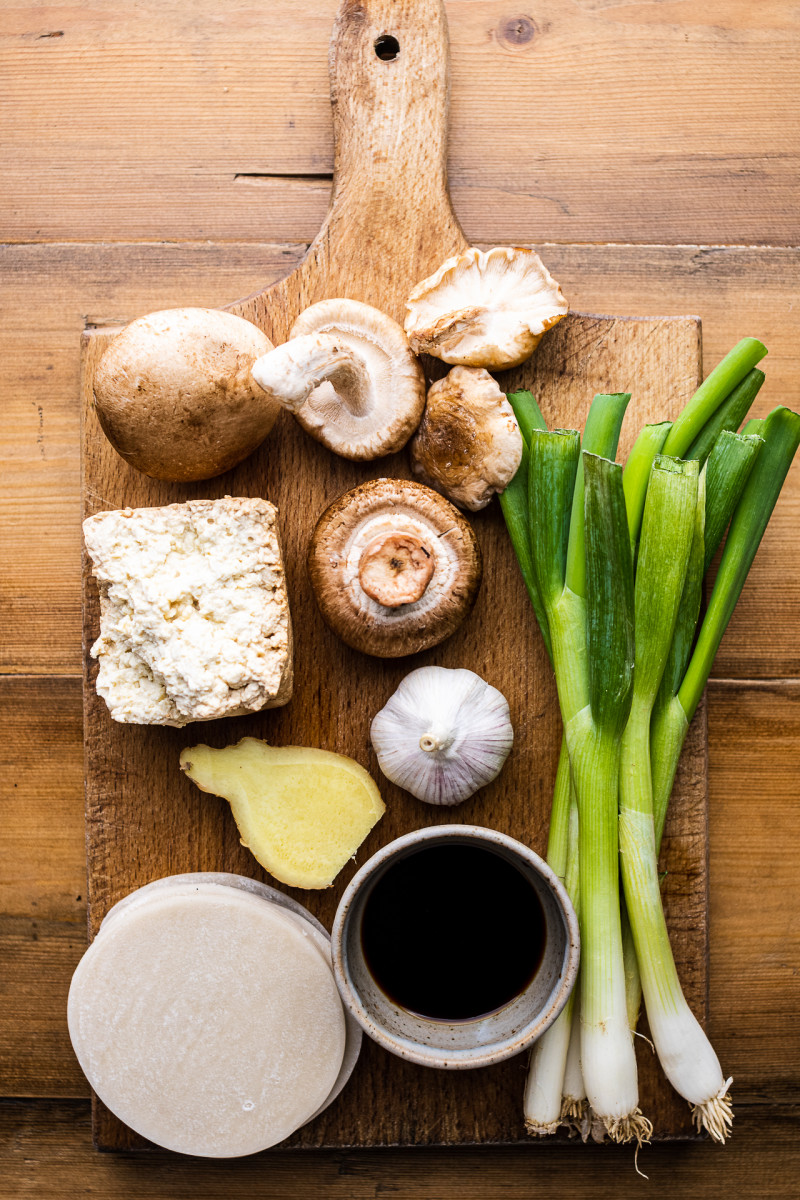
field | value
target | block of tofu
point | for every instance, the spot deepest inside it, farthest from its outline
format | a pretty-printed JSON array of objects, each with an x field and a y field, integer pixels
[{"x": 194, "y": 617}]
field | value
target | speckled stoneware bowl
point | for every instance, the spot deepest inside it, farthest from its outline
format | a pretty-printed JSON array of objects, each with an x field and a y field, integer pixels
[{"x": 460, "y": 1044}]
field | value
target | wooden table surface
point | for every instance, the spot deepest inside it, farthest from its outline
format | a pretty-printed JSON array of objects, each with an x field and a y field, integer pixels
[{"x": 179, "y": 152}]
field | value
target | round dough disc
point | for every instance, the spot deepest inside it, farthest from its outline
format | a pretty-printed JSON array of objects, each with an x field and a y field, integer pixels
[{"x": 208, "y": 1021}]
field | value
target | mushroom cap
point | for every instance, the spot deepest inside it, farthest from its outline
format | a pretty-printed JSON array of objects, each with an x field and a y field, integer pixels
[
  {"x": 485, "y": 308},
  {"x": 352, "y": 523},
  {"x": 174, "y": 395},
  {"x": 382, "y": 416},
  {"x": 468, "y": 444}
]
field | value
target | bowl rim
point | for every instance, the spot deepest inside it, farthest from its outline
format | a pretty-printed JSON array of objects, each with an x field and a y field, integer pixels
[{"x": 488, "y": 1053}]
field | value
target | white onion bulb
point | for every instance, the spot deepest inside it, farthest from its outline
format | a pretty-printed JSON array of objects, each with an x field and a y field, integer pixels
[{"x": 443, "y": 734}]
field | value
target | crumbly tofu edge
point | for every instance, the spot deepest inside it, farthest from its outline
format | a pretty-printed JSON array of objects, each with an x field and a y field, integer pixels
[{"x": 194, "y": 635}]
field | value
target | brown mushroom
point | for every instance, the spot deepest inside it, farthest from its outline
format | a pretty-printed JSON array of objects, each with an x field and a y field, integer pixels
[
  {"x": 175, "y": 397},
  {"x": 468, "y": 444},
  {"x": 485, "y": 308},
  {"x": 350, "y": 378},
  {"x": 394, "y": 567}
]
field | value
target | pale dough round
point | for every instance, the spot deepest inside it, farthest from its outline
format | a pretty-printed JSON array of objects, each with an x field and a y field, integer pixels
[{"x": 208, "y": 1021}]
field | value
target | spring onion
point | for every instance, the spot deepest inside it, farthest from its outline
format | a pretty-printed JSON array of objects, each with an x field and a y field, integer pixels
[
  {"x": 627, "y": 691},
  {"x": 728, "y": 416},
  {"x": 592, "y": 641},
  {"x": 781, "y": 435},
  {"x": 514, "y": 504},
  {"x": 574, "y": 1105},
  {"x": 727, "y": 469},
  {"x": 636, "y": 474},
  {"x": 543, "y": 1092},
  {"x": 711, "y": 394},
  {"x": 542, "y": 1102},
  {"x": 684, "y": 1051}
]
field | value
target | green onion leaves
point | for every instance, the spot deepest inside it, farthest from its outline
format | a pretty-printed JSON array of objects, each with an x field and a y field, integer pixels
[{"x": 609, "y": 595}]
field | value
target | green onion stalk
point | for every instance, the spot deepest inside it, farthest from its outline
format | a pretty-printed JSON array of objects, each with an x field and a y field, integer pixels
[
  {"x": 686, "y": 1055},
  {"x": 682, "y": 692},
  {"x": 542, "y": 1102},
  {"x": 743, "y": 477},
  {"x": 713, "y": 392},
  {"x": 582, "y": 563},
  {"x": 544, "y": 1105},
  {"x": 728, "y": 458},
  {"x": 574, "y": 1105},
  {"x": 727, "y": 470}
]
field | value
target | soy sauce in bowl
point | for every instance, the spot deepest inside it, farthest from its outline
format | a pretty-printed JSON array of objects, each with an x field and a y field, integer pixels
[{"x": 453, "y": 932}]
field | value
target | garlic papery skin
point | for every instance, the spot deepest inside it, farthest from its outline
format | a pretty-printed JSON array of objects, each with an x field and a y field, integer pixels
[{"x": 443, "y": 734}]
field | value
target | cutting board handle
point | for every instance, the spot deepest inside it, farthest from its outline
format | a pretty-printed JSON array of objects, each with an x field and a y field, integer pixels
[
  {"x": 390, "y": 223},
  {"x": 389, "y": 68}
]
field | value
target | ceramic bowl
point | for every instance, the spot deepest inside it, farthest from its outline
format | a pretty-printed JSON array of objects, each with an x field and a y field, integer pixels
[{"x": 462, "y": 1044}]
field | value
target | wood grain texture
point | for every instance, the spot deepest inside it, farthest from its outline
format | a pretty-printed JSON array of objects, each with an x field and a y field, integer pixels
[
  {"x": 389, "y": 224},
  {"x": 46, "y": 1154},
  {"x": 755, "y": 893},
  {"x": 41, "y": 724},
  {"x": 586, "y": 122},
  {"x": 48, "y": 294}
]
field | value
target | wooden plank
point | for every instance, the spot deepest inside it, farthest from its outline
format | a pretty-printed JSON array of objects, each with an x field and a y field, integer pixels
[
  {"x": 389, "y": 224},
  {"x": 39, "y": 956},
  {"x": 48, "y": 294},
  {"x": 42, "y": 882},
  {"x": 46, "y": 1151},
  {"x": 180, "y": 124},
  {"x": 41, "y": 731},
  {"x": 755, "y": 839}
]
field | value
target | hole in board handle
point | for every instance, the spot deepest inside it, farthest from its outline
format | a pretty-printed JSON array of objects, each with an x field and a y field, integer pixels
[{"x": 387, "y": 47}]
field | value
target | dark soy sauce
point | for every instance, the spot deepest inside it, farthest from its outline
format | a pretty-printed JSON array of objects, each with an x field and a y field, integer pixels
[{"x": 453, "y": 932}]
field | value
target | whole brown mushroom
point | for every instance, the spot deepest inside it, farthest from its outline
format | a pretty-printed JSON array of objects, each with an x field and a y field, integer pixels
[
  {"x": 175, "y": 396},
  {"x": 394, "y": 566},
  {"x": 468, "y": 444}
]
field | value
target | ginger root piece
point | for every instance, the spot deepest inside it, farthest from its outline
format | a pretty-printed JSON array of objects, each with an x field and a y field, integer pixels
[{"x": 301, "y": 812}]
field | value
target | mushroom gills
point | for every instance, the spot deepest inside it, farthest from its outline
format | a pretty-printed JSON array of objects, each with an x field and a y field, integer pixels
[
  {"x": 349, "y": 376},
  {"x": 485, "y": 308},
  {"x": 382, "y": 529},
  {"x": 292, "y": 372}
]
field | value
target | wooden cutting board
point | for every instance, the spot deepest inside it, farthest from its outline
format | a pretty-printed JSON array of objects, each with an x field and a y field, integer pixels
[{"x": 389, "y": 225}]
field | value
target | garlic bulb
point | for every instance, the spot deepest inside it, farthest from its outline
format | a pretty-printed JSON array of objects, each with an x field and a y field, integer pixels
[{"x": 443, "y": 734}]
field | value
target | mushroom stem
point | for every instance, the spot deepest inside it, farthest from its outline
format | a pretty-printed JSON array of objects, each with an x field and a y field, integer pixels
[
  {"x": 395, "y": 569},
  {"x": 290, "y": 372}
]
